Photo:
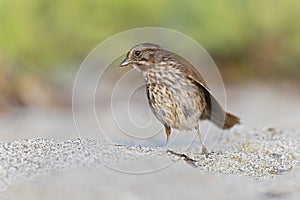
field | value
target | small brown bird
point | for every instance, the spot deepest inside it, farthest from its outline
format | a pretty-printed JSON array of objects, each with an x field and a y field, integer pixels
[{"x": 177, "y": 93}]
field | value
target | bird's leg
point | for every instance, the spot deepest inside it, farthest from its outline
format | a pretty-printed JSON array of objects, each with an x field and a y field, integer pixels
[
  {"x": 168, "y": 133},
  {"x": 204, "y": 149}
]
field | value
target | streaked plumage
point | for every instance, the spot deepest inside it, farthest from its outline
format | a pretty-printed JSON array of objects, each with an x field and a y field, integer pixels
[{"x": 177, "y": 93}]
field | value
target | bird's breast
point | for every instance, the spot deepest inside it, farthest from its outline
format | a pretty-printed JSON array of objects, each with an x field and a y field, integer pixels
[{"x": 175, "y": 100}]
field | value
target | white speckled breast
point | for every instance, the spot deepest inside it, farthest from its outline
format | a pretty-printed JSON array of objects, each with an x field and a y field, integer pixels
[{"x": 176, "y": 101}]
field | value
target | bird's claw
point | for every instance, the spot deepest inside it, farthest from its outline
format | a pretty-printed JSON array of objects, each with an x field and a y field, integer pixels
[{"x": 205, "y": 152}]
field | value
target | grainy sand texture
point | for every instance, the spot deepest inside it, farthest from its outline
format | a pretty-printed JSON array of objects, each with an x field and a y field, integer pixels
[{"x": 261, "y": 164}]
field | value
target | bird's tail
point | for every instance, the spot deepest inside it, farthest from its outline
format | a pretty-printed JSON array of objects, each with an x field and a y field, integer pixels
[
  {"x": 230, "y": 121},
  {"x": 216, "y": 113},
  {"x": 225, "y": 122}
]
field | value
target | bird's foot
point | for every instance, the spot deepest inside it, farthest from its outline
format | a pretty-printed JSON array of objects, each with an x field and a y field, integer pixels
[{"x": 205, "y": 152}]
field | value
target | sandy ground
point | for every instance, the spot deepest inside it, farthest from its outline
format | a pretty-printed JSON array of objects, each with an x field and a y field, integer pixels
[{"x": 245, "y": 165}]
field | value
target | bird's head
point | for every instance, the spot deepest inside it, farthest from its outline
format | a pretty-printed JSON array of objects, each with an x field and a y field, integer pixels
[{"x": 143, "y": 56}]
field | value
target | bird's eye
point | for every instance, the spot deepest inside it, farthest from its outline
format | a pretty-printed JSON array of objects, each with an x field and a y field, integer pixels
[{"x": 137, "y": 53}]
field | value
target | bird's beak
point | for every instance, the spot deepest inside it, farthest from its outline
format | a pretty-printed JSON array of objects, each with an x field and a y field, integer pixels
[{"x": 125, "y": 62}]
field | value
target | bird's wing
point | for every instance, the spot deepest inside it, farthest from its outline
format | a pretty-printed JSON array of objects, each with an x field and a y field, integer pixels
[
  {"x": 190, "y": 69},
  {"x": 214, "y": 110}
]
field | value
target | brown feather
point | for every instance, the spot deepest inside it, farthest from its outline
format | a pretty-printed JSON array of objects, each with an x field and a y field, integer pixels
[{"x": 213, "y": 111}]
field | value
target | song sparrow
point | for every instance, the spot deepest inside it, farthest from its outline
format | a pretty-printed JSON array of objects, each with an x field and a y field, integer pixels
[{"x": 177, "y": 93}]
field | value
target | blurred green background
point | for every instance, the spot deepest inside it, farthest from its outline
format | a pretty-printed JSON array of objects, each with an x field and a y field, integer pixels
[{"x": 248, "y": 39}]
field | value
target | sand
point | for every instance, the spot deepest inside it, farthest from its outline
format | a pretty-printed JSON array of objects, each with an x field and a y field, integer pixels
[{"x": 261, "y": 164}]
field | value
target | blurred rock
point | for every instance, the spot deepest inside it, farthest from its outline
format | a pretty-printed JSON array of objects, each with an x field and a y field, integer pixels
[
  {"x": 8, "y": 94},
  {"x": 29, "y": 90},
  {"x": 36, "y": 91}
]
